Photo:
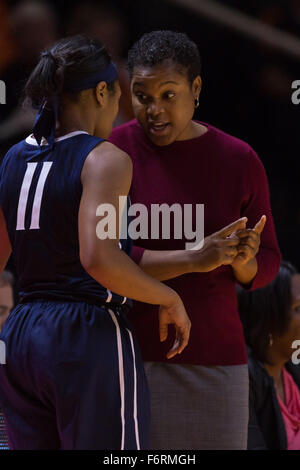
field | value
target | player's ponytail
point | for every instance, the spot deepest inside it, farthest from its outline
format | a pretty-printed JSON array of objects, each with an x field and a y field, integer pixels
[
  {"x": 67, "y": 62},
  {"x": 46, "y": 80},
  {"x": 70, "y": 66}
]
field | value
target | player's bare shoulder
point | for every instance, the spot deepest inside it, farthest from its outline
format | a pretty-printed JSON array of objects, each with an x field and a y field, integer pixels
[{"x": 107, "y": 160}]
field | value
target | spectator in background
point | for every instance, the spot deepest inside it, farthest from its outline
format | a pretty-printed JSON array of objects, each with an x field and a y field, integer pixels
[
  {"x": 6, "y": 296},
  {"x": 271, "y": 320},
  {"x": 105, "y": 22},
  {"x": 33, "y": 28},
  {"x": 6, "y": 304},
  {"x": 7, "y": 49}
]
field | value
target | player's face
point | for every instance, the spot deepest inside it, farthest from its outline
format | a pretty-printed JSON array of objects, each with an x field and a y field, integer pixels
[
  {"x": 110, "y": 111},
  {"x": 163, "y": 102},
  {"x": 6, "y": 303}
]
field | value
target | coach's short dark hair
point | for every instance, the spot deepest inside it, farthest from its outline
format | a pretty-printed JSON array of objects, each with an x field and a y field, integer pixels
[
  {"x": 267, "y": 310},
  {"x": 156, "y": 47}
]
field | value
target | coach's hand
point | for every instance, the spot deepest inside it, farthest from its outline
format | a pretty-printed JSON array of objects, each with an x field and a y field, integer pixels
[
  {"x": 249, "y": 242},
  {"x": 219, "y": 248},
  {"x": 175, "y": 314}
]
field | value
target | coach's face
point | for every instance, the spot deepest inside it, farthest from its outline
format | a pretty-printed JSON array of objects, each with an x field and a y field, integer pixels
[
  {"x": 163, "y": 101},
  {"x": 6, "y": 303}
]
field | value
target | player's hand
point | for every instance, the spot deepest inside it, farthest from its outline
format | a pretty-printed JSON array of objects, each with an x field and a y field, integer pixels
[
  {"x": 175, "y": 314},
  {"x": 249, "y": 242},
  {"x": 219, "y": 248}
]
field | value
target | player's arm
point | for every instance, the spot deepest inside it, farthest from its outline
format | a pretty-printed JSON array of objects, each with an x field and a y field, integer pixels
[
  {"x": 5, "y": 246},
  {"x": 106, "y": 175}
]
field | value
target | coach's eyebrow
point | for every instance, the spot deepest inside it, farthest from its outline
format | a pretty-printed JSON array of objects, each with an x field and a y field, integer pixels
[
  {"x": 169, "y": 81},
  {"x": 162, "y": 84}
]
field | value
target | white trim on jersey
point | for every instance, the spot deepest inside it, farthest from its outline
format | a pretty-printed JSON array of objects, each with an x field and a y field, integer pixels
[
  {"x": 137, "y": 437},
  {"x": 31, "y": 140},
  {"x": 124, "y": 298},
  {"x": 109, "y": 296},
  {"x": 36, "y": 208},
  {"x": 121, "y": 375}
]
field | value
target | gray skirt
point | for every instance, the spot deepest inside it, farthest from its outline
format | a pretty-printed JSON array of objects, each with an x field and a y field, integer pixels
[{"x": 198, "y": 408}]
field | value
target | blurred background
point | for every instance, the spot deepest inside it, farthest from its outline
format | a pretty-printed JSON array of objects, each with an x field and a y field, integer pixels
[{"x": 250, "y": 52}]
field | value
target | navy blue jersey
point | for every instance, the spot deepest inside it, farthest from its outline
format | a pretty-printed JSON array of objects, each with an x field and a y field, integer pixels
[{"x": 40, "y": 192}]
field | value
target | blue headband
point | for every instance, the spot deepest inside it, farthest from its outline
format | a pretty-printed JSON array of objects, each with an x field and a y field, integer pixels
[{"x": 45, "y": 122}]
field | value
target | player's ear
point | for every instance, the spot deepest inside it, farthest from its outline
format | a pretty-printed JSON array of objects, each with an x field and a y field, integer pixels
[{"x": 100, "y": 92}]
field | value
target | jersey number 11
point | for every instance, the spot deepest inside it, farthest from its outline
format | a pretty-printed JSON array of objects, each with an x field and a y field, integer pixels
[{"x": 36, "y": 207}]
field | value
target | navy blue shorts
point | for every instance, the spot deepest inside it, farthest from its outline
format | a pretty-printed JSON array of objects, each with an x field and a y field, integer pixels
[{"x": 73, "y": 379}]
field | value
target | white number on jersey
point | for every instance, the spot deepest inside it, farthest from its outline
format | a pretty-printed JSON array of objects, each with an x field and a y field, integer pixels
[{"x": 36, "y": 208}]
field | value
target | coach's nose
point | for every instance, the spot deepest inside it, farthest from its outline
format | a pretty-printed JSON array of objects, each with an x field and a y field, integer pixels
[{"x": 155, "y": 108}]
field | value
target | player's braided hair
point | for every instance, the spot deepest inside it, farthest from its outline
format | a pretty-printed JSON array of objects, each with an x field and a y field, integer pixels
[
  {"x": 69, "y": 59},
  {"x": 158, "y": 46}
]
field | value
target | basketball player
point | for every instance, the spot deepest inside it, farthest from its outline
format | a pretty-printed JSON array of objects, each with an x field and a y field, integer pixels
[{"x": 73, "y": 377}]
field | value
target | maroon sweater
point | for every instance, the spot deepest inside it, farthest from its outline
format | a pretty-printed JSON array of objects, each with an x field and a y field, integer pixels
[{"x": 226, "y": 175}]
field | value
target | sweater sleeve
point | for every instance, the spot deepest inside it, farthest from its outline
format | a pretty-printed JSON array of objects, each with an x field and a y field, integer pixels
[
  {"x": 137, "y": 253},
  {"x": 258, "y": 204}
]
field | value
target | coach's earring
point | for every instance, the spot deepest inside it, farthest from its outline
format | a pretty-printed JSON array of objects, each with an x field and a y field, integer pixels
[
  {"x": 197, "y": 102},
  {"x": 270, "y": 339}
]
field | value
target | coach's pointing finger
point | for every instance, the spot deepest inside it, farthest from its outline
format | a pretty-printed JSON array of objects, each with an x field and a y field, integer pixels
[
  {"x": 260, "y": 225},
  {"x": 229, "y": 229}
]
